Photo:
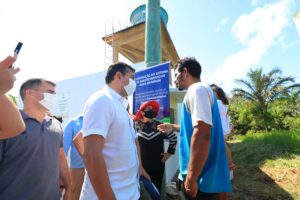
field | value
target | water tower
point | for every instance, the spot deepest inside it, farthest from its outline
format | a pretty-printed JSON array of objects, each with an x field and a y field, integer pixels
[
  {"x": 138, "y": 15},
  {"x": 130, "y": 42}
]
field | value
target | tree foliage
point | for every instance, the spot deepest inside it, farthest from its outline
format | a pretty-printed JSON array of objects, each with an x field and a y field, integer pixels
[
  {"x": 266, "y": 102},
  {"x": 13, "y": 98},
  {"x": 263, "y": 88}
]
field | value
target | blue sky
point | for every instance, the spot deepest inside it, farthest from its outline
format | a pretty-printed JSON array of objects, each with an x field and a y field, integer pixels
[
  {"x": 230, "y": 37},
  {"x": 62, "y": 39}
]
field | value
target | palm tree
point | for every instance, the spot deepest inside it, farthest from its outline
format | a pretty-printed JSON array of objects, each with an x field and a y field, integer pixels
[{"x": 262, "y": 88}]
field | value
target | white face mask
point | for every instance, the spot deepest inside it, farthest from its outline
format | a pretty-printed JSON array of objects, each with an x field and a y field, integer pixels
[
  {"x": 49, "y": 101},
  {"x": 130, "y": 88}
]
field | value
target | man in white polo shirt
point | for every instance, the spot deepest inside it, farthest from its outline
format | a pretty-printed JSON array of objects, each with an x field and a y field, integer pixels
[{"x": 110, "y": 148}]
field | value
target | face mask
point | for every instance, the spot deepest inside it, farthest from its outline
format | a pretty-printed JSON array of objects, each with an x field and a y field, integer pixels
[
  {"x": 49, "y": 101},
  {"x": 130, "y": 88},
  {"x": 149, "y": 114}
]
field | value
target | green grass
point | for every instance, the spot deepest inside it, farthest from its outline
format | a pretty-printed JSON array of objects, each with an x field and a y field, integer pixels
[
  {"x": 268, "y": 166},
  {"x": 281, "y": 141}
]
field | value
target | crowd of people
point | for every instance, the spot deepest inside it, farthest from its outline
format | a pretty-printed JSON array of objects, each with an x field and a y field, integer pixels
[{"x": 111, "y": 151}]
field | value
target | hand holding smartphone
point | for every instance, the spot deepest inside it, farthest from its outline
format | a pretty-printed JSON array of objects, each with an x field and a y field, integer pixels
[{"x": 17, "y": 50}]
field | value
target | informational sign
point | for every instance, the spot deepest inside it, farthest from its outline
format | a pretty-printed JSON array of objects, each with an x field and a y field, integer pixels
[{"x": 152, "y": 83}]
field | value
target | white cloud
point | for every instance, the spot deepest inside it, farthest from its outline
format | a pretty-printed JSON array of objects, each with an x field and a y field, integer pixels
[
  {"x": 222, "y": 23},
  {"x": 225, "y": 20},
  {"x": 257, "y": 31}
]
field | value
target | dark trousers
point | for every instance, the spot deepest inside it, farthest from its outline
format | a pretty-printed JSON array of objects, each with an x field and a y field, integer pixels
[
  {"x": 200, "y": 195},
  {"x": 156, "y": 177}
]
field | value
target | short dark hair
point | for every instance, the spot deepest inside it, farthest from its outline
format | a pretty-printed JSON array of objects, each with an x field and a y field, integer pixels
[
  {"x": 192, "y": 66},
  {"x": 33, "y": 83},
  {"x": 117, "y": 67}
]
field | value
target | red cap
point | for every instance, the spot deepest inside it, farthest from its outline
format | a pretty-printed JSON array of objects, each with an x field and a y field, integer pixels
[{"x": 153, "y": 104}]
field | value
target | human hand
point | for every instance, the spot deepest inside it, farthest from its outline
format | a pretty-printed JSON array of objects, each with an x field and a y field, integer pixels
[
  {"x": 166, "y": 156},
  {"x": 191, "y": 187},
  {"x": 232, "y": 166},
  {"x": 69, "y": 195},
  {"x": 7, "y": 75},
  {"x": 142, "y": 172},
  {"x": 165, "y": 128}
]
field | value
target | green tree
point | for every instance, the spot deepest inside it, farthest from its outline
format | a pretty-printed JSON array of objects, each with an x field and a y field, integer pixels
[
  {"x": 13, "y": 98},
  {"x": 260, "y": 90}
]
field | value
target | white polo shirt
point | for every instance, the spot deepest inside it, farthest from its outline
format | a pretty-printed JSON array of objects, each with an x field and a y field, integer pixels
[{"x": 105, "y": 115}]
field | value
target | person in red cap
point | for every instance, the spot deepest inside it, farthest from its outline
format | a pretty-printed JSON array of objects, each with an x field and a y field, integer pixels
[{"x": 151, "y": 141}]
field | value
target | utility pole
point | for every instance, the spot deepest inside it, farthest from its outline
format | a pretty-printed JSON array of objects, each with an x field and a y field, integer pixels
[{"x": 153, "y": 33}]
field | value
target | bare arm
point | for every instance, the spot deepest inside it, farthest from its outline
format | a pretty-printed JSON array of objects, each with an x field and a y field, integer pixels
[
  {"x": 7, "y": 74},
  {"x": 172, "y": 146},
  {"x": 168, "y": 128},
  {"x": 11, "y": 122},
  {"x": 96, "y": 167},
  {"x": 176, "y": 127},
  {"x": 65, "y": 174},
  {"x": 200, "y": 143},
  {"x": 142, "y": 171},
  {"x": 78, "y": 143}
]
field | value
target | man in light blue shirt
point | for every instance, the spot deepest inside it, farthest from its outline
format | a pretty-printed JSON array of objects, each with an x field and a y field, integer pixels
[{"x": 73, "y": 127}]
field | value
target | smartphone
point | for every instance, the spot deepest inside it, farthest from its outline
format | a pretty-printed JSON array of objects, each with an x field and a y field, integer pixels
[{"x": 17, "y": 50}]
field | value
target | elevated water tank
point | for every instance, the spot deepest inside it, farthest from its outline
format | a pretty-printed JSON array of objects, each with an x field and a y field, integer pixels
[{"x": 139, "y": 15}]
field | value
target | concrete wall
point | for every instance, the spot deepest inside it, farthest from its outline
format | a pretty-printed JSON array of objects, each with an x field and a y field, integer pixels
[
  {"x": 78, "y": 90},
  {"x": 172, "y": 164}
]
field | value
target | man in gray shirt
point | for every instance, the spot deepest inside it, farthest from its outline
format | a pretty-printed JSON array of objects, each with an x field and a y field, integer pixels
[{"x": 32, "y": 163}]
